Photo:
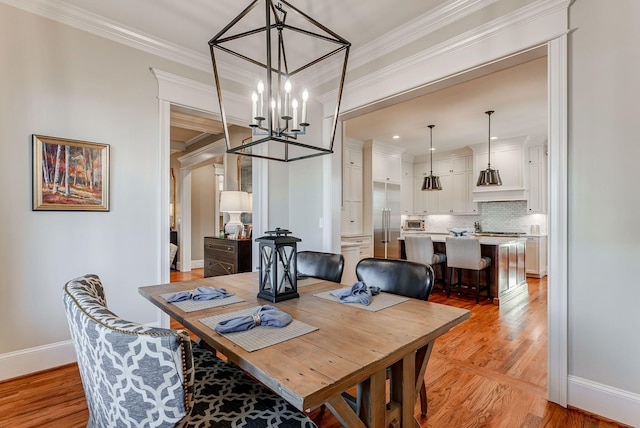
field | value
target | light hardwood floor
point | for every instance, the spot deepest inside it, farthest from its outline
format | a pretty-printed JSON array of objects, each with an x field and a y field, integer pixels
[{"x": 488, "y": 372}]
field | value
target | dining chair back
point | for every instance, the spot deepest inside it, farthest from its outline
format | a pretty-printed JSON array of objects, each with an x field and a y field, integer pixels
[
  {"x": 327, "y": 266},
  {"x": 401, "y": 277},
  {"x": 136, "y": 375},
  {"x": 419, "y": 248},
  {"x": 464, "y": 253}
]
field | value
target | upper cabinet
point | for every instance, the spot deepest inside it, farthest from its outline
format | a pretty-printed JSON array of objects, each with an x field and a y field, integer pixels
[
  {"x": 455, "y": 172},
  {"x": 386, "y": 163},
  {"x": 352, "y": 174},
  {"x": 537, "y": 169}
]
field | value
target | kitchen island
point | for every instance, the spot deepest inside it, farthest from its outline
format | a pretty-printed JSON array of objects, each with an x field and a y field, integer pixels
[{"x": 508, "y": 269}]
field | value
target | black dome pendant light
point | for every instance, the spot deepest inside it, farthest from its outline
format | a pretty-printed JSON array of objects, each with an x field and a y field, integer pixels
[
  {"x": 431, "y": 182},
  {"x": 490, "y": 176}
]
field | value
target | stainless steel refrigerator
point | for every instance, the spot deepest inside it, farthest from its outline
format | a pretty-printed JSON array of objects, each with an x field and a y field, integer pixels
[{"x": 386, "y": 220}]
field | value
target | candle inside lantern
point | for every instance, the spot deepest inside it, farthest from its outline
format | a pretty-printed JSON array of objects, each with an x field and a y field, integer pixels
[
  {"x": 274, "y": 118},
  {"x": 303, "y": 119},
  {"x": 286, "y": 111},
  {"x": 254, "y": 108},
  {"x": 259, "y": 114},
  {"x": 294, "y": 106}
]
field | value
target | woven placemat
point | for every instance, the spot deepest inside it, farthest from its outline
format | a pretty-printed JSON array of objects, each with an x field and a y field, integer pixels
[
  {"x": 378, "y": 302},
  {"x": 261, "y": 336},
  {"x": 197, "y": 305}
]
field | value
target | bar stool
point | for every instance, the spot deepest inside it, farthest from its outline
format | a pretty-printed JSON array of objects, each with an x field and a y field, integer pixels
[
  {"x": 419, "y": 248},
  {"x": 464, "y": 253}
]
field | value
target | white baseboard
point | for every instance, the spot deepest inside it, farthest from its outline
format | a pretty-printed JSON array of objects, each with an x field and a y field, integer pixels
[
  {"x": 612, "y": 403},
  {"x": 197, "y": 264},
  {"x": 39, "y": 358},
  {"x": 25, "y": 361}
]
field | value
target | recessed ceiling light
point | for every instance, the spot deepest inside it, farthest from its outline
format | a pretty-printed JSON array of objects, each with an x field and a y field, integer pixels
[
  {"x": 494, "y": 138},
  {"x": 395, "y": 137}
]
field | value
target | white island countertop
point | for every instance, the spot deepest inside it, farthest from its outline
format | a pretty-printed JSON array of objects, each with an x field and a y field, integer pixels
[{"x": 484, "y": 240}]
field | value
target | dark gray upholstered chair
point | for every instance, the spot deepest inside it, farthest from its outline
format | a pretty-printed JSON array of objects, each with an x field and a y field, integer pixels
[
  {"x": 465, "y": 254},
  {"x": 139, "y": 376},
  {"x": 403, "y": 277},
  {"x": 419, "y": 249},
  {"x": 327, "y": 266}
]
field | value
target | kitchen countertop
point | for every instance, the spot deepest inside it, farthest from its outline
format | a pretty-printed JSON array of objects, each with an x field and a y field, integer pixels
[{"x": 486, "y": 240}]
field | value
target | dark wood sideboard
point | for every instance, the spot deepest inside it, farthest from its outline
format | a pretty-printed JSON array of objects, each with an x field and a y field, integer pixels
[{"x": 226, "y": 256}]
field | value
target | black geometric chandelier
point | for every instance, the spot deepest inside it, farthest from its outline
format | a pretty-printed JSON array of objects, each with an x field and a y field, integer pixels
[
  {"x": 263, "y": 62},
  {"x": 490, "y": 176},
  {"x": 431, "y": 182}
]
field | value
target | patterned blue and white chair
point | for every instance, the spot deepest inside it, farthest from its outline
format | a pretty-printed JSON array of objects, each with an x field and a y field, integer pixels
[{"x": 139, "y": 376}]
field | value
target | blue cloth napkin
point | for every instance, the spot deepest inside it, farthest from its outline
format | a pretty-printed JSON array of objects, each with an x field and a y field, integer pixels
[
  {"x": 209, "y": 293},
  {"x": 357, "y": 293},
  {"x": 266, "y": 315},
  {"x": 200, "y": 293},
  {"x": 179, "y": 296}
]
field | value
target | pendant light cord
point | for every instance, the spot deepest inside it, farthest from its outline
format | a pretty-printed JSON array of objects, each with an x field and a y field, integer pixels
[
  {"x": 490, "y": 112},
  {"x": 431, "y": 147}
]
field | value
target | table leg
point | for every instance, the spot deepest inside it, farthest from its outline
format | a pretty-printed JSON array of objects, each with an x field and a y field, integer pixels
[
  {"x": 422, "y": 359},
  {"x": 372, "y": 399},
  {"x": 344, "y": 413}
]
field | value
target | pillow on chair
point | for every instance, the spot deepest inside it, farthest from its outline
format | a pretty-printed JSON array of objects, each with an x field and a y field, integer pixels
[{"x": 173, "y": 250}]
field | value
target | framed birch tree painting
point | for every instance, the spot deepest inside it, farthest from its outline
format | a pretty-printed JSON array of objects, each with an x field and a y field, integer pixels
[{"x": 70, "y": 175}]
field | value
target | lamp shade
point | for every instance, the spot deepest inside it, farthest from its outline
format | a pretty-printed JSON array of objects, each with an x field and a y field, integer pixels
[{"x": 232, "y": 201}]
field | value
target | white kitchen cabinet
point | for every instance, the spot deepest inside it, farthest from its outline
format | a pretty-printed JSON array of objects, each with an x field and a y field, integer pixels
[
  {"x": 424, "y": 202},
  {"x": 536, "y": 256},
  {"x": 406, "y": 189},
  {"x": 351, "y": 220},
  {"x": 363, "y": 242},
  {"x": 351, "y": 259},
  {"x": 537, "y": 196},
  {"x": 386, "y": 167},
  {"x": 455, "y": 197}
]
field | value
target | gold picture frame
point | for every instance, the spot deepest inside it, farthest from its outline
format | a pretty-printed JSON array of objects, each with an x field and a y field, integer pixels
[{"x": 70, "y": 175}]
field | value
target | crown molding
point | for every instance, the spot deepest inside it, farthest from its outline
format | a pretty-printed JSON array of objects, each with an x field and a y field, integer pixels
[
  {"x": 99, "y": 26},
  {"x": 518, "y": 18},
  {"x": 75, "y": 17},
  {"x": 427, "y": 23}
]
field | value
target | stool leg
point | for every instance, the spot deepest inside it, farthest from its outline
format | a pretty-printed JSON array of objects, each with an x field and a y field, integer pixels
[
  {"x": 450, "y": 281},
  {"x": 477, "y": 286}
]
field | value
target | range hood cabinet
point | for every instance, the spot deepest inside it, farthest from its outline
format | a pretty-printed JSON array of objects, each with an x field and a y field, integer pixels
[{"x": 509, "y": 159}]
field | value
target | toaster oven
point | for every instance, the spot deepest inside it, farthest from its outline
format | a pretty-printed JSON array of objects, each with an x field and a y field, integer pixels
[{"x": 414, "y": 225}]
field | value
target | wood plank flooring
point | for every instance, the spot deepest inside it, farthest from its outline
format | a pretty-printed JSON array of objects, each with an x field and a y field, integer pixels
[{"x": 488, "y": 372}]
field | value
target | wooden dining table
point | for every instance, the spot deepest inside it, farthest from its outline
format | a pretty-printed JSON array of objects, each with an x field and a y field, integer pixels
[{"x": 351, "y": 347}]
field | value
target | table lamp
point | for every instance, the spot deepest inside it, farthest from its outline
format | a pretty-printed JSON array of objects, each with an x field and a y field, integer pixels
[{"x": 234, "y": 203}]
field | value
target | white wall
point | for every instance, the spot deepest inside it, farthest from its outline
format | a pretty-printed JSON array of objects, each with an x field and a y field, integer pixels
[
  {"x": 604, "y": 326},
  {"x": 202, "y": 209},
  {"x": 62, "y": 82}
]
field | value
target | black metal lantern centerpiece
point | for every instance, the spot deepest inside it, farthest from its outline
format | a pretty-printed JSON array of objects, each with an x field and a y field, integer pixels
[{"x": 278, "y": 266}]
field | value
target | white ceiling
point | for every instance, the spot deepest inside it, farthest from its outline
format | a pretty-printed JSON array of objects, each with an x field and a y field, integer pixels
[{"x": 517, "y": 94}]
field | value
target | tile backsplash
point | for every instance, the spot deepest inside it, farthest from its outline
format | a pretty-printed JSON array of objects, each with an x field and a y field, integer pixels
[{"x": 511, "y": 216}]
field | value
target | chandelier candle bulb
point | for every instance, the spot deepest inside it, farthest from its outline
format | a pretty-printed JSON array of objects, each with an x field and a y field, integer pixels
[
  {"x": 274, "y": 118},
  {"x": 259, "y": 115},
  {"x": 294, "y": 106},
  {"x": 286, "y": 114},
  {"x": 254, "y": 109},
  {"x": 303, "y": 116}
]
